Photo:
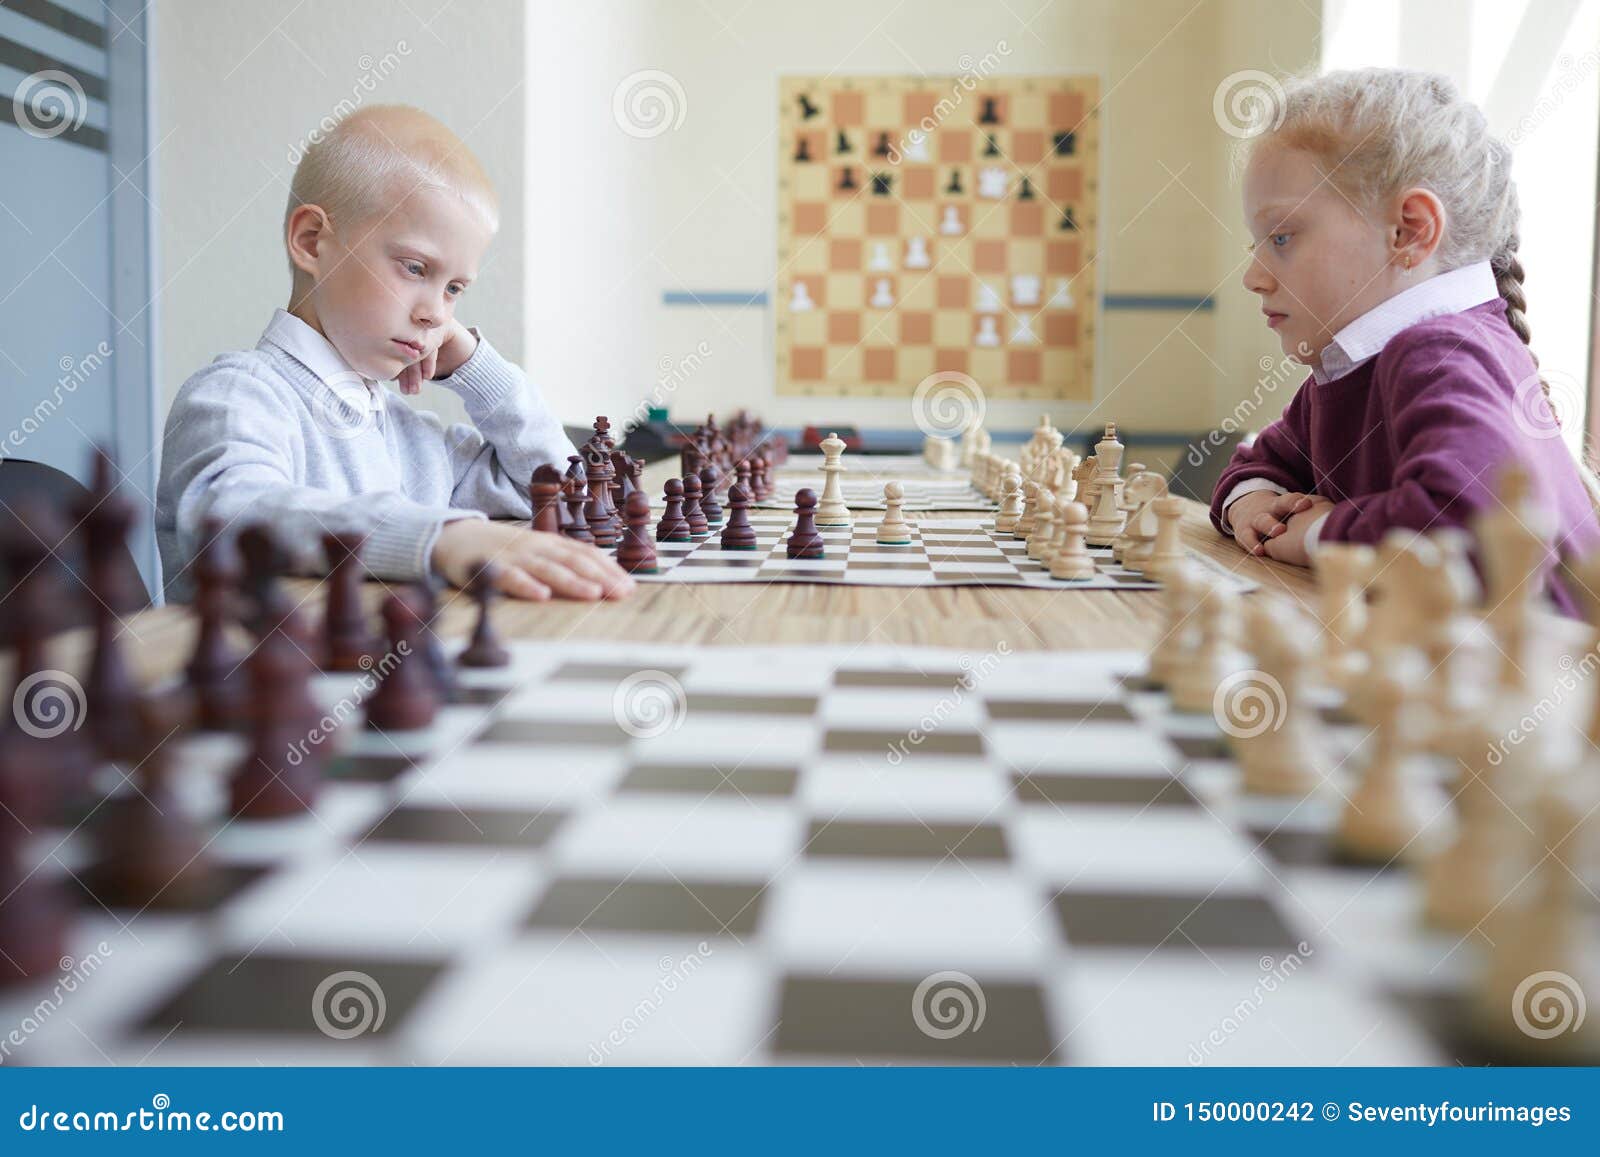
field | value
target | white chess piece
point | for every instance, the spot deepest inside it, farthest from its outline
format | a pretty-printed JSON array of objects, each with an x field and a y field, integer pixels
[
  {"x": 988, "y": 298},
  {"x": 1070, "y": 561},
  {"x": 1005, "y": 521},
  {"x": 993, "y": 183},
  {"x": 882, "y": 298},
  {"x": 880, "y": 262},
  {"x": 800, "y": 298},
  {"x": 831, "y": 509},
  {"x": 950, "y": 224},
  {"x": 893, "y": 530},
  {"x": 917, "y": 253},
  {"x": 1022, "y": 332},
  {"x": 1025, "y": 289},
  {"x": 987, "y": 334},
  {"x": 916, "y": 148},
  {"x": 1062, "y": 297}
]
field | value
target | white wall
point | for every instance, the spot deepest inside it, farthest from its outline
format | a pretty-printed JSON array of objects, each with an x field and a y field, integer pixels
[{"x": 240, "y": 83}]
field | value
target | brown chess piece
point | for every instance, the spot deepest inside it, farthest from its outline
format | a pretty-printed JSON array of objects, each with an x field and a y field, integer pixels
[
  {"x": 710, "y": 479},
  {"x": 806, "y": 540},
  {"x": 637, "y": 554},
  {"x": 407, "y": 698},
  {"x": 485, "y": 649},
  {"x": 105, "y": 518},
  {"x": 692, "y": 513},
  {"x": 759, "y": 479},
  {"x": 673, "y": 527},
  {"x": 545, "y": 493},
  {"x": 577, "y": 526},
  {"x": 602, "y": 520},
  {"x": 426, "y": 600},
  {"x": 741, "y": 473},
  {"x": 738, "y": 534},
  {"x": 264, "y": 564},
  {"x": 150, "y": 853},
  {"x": 282, "y": 770},
  {"x": 347, "y": 640},
  {"x": 216, "y": 672}
]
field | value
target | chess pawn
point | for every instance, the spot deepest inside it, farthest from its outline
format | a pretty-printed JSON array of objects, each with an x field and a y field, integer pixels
[
  {"x": 1194, "y": 686},
  {"x": 673, "y": 527},
  {"x": 1386, "y": 817},
  {"x": 1168, "y": 551},
  {"x": 1180, "y": 593},
  {"x": 738, "y": 534},
  {"x": 1010, "y": 512},
  {"x": 636, "y": 553},
  {"x": 805, "y": 541},
  {"x": 349, "y": 645},
  {"x": 544, "y": 491},
  {"x": 406, "y": 698},
  {"x": 280, "y": 773},
  {"x": 1275, "y": 736},
  {"x": 832, "y": 513},
  {"x": 710, "y": 478},
  {"x": 1465, "y": 882},
  {"x": 1342, "y": 569},
  {"x": 1043, "y": 528},
  {"x": 577, "y": 527},
  {"x": 485, "y": 649},
  {"x": 216, "y": 668},
  {"x": 1542, "y": 961},
  {"x": 893, "y": 530},
  {"x": 693, "y": 514},
  {"x": 1072, "y": 561},
  {"x": 1030, "y": 510}
]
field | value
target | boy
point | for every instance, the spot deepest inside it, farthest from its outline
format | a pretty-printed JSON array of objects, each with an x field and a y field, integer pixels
[{"x": 389, "y": 217}]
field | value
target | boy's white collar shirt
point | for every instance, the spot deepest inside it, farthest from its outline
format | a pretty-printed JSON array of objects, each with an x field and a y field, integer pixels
[
  {"x": 308, "y": 347},
  {"x": 1364, "y": 338}
]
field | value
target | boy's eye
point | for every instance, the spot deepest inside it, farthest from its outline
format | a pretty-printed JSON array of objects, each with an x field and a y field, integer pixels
[
  {"x": 457, "y": 290},
  {"x": 412, "y": 267},
  {"x": 1279, "y": 240}
]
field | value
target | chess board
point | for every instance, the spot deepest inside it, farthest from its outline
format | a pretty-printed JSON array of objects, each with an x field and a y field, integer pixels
[
  {"x": 937, "y": 225},
  {"x": 633, "y": 854},
  {"x": 864, "y": 478},
  {"x": 945, "y": 552}
]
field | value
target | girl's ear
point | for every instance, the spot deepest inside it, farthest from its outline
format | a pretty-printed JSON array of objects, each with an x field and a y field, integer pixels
[
  {"x": 1420, "y": 226},
  {"x": 306, "y": 233}
]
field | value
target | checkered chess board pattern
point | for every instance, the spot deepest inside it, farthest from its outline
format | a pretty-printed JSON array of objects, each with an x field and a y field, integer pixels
[
  {"x": 787, "y": 863},
  {"x": 971, "y": 555},
  {"x": 864, "y": 479},
  {"x": 927, "y": 228}
]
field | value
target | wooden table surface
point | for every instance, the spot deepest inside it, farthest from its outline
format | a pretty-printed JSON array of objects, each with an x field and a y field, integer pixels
[{"x": 733, "y": 614}]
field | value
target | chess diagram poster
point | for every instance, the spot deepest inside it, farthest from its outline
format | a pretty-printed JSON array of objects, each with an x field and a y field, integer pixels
[{"x": 937, "y": 224}]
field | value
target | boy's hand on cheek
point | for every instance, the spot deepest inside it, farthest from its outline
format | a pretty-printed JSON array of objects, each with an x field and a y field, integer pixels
[
  {"x": 451, "y": 354},
  {"x": 1290, "y": 546}
]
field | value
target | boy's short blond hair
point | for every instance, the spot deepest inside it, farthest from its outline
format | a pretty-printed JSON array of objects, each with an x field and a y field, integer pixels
[{"x": 377, "y": 155}]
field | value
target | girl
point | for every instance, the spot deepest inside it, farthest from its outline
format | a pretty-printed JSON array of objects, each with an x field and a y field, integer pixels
[{"x": 1384, "y": 222}]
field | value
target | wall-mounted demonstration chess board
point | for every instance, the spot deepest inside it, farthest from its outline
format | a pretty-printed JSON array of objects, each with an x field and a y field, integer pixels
[{"x": 937, "y": 224}]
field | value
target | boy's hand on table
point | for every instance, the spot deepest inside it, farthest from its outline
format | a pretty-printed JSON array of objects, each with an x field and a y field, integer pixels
[
  {"x": 531, "y": 564},
  {"x": 1290, "y": 546},
  {"x": 1262, "y": 515},
  {"x": 455, "y": 346}
]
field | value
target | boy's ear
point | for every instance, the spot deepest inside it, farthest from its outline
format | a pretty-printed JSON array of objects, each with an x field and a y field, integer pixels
[
  {"x": 308, "y": 229},
  {"x": 1421, "y": 223}
]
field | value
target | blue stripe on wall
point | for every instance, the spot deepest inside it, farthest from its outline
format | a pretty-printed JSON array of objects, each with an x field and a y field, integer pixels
[{"x": 1122, "y": 301}]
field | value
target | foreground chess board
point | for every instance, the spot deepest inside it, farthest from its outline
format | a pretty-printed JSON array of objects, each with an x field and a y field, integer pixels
[
  {"x": 862, "y": 486},
  {"x": 635, "y": 854},
  {"x": 947, "y": 552}
]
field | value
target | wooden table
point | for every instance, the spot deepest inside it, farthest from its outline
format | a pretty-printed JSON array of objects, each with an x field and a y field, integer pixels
[{"x": 971, "y": 618}]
